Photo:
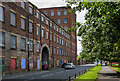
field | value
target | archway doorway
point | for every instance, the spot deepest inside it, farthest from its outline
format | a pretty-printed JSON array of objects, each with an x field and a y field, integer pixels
[{"x": 45, "y": 58}]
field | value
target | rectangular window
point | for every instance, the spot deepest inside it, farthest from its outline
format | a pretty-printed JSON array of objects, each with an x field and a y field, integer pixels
[
  {"x": 58, "y": 12},
  {"x": 51, "y": 36},
  {"x": 54, "y": 27},
  {"x": 23, "y": 23},
  {"x": 65, "y": 20},
  {"x": 51, "y": 49},
  {"x": 52, "y": 13},
  {"x": 57, "y": 28},
  {"x": 46, "y": 21},
  {"x": 46, "y": 34},
  {"x": 30, "y": 10},
  {"x": 13, "y": 19},
  {"x": 50, "y": 24},
  {"x": 2, "y": 39},
  {"x": 60, "y": 40},
  {"x": 30, "y": 27},
  {"x": 42, "y": 32},
  {"x": 60, "y": 30},
  {"x": 54, "y": 38},
  {"x": 57, "y": 50},
  {"x": 1, "y": 13},
  {"x": 13, "y": 41},
  {"x": 60, "y": 51},
  {"x": 31, "y": 45},
  {"x": 37, "y": 15},
  {"x": 58, "y": 21},
  {"x": 65, "y": 12},
  {"x": 65, "y": 27},
  {"x": 37, "y": 30},
  {"x": 22, "y": 4},
  {"x": 54, "y": 50},
  {"x": 23, "y": 44},
  {"x": 57, "y": 39},
  {"x": 37, "y": 46},
  {"x": 42, "y": 18}
]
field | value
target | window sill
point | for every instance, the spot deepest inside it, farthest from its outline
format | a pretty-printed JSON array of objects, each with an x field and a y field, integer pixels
[{"x": 13, "y": 25}]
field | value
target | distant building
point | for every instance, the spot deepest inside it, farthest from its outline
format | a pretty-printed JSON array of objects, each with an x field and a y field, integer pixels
[{"x": 26, "y": 32}]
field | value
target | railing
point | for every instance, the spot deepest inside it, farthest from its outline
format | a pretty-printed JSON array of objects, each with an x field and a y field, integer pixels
[{"x": 71, "y": 78}]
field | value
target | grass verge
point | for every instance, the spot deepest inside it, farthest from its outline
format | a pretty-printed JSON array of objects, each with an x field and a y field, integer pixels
[
  {"x": 116, "y": 68},
  {"x": 90, "y": 75}
]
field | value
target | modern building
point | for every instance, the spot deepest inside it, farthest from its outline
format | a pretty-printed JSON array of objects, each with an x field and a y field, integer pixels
[{"x": 31, "y": 40}]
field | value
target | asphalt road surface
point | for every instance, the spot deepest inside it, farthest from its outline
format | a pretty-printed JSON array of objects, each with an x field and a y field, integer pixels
[{"x": 58, "y": 74}]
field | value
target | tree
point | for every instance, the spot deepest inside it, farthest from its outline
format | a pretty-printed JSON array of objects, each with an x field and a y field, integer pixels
[{"x": 101, "y": 31}]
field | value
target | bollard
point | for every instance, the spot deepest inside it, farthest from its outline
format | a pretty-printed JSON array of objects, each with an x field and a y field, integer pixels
[
  {"x": 69, "y": 78},
  {"x": 75, "y": 76}
]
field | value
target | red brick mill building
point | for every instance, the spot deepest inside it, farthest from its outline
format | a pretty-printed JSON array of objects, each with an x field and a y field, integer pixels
[{"x": 28, "y": 36}]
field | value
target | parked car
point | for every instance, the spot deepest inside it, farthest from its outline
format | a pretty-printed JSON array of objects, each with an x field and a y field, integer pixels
[
  {"x": 63, "y": 65},
  {"x": 70, "y": 66}
]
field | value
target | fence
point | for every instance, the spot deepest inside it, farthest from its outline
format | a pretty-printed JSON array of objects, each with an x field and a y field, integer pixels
[{"x": 76, "y": 74}]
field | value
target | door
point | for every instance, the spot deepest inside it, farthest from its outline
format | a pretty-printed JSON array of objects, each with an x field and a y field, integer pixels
[{"x": 13, "y": 64}]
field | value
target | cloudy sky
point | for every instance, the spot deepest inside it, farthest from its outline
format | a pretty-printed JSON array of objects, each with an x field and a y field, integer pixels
[{"x": 58, "y": 3}]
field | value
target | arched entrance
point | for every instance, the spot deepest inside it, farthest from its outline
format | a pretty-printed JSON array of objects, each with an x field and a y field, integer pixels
[{"x": 45, "y": 58}]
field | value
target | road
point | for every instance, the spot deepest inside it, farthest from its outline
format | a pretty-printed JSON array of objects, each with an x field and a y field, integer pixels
[{"x": 52, "y": 75}]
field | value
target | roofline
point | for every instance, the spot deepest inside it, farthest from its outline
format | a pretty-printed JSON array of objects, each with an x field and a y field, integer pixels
[{"x": 55, "y": 7}]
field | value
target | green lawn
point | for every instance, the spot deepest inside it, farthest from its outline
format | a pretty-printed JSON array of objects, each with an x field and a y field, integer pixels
[
  {"x": 116, "y": 68},
  {"x": 90, "y": 75}
]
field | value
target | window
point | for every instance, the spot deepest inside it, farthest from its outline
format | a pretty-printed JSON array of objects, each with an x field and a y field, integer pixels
[
  {"x": 58, "y": 21},
  {"x": 37, "y": 30},
  {"x": 51, "y": 49},
  {"x": 54, "y": 27},
  {"x": 46, "y": 34},
  {"x": 13, "y": 19},
  {"x": 58, "y": 12},
  {"x": 51, "y": 36},
  {"x": 31, "y": 45},
  {"x": 65, "y": 20},
  {"x": 2, "y": 39},
  {"x": 30, "y": 27},
  {"x": 1, "y": 13},
  {"x": 65, "y": 28},
  {"x": 23, "y": 44},
  {"x": 13, "y": 41},
  {"x": 54, "y": 37},
  {"x": 57, "y": 28},
  {"x": 46, "y": 21},
  {"x": 54, "y": 50},
  {"x": 57, "y": 50},
  {"x": 22, "y": 4},
  {"x": 23, "y": 23},
  {"x": 60, "y": 40},
  {"x": 37, "y": 46},
  {"x": 37, "y": 14},
  {"x": 62, "y": 32},
  {"x": 50, "y": 24},
  {"x": 52, "y": 13},
  {"x": 65, "y": 12},
  {"x": 60, "y": 51},
  {"x": 57, "y": 39},
  {"x": 30, "y": 10},
  {"x": 52, "y": 19},
  {"x": 42, "y": 32},
  {"x": 45, "y": 12},
  {"x": 42, "y": 18}
]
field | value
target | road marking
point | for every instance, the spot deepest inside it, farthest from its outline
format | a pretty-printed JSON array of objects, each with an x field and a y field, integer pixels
[{"x": 47, "y": 75}]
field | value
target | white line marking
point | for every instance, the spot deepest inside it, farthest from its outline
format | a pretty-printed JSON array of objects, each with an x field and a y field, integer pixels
[{"x": 47, "y": 75}]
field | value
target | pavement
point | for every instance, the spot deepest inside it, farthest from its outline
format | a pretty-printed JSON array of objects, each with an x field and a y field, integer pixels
[
  {"x": 59, "y": 74},
  {"x": 107, "y": 74}
]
